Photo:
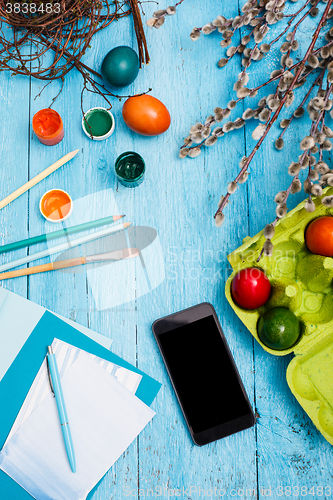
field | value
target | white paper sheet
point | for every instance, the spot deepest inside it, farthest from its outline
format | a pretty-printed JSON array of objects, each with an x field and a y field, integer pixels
[
  {"x": 66, "y": 354},
  {"x": 104, "y": 418}
]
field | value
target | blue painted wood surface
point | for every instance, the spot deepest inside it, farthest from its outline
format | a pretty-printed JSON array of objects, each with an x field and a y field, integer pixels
[{"x": 178, "y": 199}]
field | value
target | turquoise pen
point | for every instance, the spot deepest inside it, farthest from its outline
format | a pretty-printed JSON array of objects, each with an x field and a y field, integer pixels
[{"x": 57, "y": 391}]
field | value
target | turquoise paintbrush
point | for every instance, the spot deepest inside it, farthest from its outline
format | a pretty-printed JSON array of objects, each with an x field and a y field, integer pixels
[{"x": 58, "y": 234}]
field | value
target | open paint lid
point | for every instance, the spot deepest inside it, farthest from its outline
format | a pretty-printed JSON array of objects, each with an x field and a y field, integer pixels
[
  {"x": 98, "y": 123},
  {"x": 302, "y": 283}
]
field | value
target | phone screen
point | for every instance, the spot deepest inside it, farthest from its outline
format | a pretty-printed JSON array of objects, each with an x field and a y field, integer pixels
[{"x": 204, "y": 376}]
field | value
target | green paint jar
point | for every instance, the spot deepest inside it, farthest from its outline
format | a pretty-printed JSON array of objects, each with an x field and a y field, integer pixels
[
  {"x": 98, "y": 123},
  {"x": 130, "y": 169}
]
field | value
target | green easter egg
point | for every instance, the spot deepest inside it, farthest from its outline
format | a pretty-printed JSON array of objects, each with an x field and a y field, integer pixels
[
  {"x": 279, "y": 328},
  {"x": 120, "y": 66}
]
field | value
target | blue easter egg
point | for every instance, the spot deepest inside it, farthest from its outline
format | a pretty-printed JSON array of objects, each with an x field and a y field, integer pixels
[{"x": 120, "y": 66}]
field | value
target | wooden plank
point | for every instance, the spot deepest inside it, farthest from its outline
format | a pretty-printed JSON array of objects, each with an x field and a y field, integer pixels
[
  {"x": 288, "y": 442},
  {"x": 14, "y": 140},
  {"x": 186, "y": 194}
]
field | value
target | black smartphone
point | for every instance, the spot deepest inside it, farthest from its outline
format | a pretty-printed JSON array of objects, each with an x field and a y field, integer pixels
[{"x": 203, "y": 373}]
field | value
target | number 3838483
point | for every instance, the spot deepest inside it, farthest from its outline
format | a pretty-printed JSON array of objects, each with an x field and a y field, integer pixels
[{"x": 33, "y": 8}]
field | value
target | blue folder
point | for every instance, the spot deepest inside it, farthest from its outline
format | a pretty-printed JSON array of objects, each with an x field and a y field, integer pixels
[{"x": 16, "y": 383}]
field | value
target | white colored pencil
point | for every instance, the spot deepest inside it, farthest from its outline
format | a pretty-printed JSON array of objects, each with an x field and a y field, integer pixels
[
  {"x": 64, "y": 246},
  {"x": 37, "y": 179}
]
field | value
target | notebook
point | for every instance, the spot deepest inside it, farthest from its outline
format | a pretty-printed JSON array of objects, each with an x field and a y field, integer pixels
[
  {"x": 18, "y": 379},
  {"x": 104, "y": 415}
]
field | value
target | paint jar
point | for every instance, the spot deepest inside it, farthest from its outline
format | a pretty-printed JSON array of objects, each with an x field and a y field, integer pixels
[
  {"x": 48, "y": 127},
  {"x": 56, "y": 205},
  {"x": 130, "y": 169},
  {"x": 98, "y": 124}
]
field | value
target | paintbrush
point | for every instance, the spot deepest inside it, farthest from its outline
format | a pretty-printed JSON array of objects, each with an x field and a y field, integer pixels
[
  {"x": 127, "y": 253},
  {"x": 38, "y": 178}
]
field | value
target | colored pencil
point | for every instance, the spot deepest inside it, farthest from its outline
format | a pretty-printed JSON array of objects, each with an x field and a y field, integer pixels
[
  {"x": 64, "y": 246},
  {"x": 58, "y": 234},
  {"x": 127, "y": 253},
  {"x": 37, "y": 179}
]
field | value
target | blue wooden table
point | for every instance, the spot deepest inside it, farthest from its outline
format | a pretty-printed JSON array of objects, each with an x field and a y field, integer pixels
[{"x": 283, "y": 455}]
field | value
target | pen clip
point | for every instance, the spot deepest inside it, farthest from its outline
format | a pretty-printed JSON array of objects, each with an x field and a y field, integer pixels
[{"x": 49, "y": 375}]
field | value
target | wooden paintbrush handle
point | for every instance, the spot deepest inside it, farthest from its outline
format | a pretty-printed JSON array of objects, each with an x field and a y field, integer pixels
[
  {"x": 27, "y": 271},
  {"x": 37, "y": 179},
  {"x": 62, "y": 264}
]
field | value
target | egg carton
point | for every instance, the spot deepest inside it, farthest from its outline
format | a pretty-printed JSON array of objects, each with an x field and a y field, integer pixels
[{"x": 301, "y": 282}]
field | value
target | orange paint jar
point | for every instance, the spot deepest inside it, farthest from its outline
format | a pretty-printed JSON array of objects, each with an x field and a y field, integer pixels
[
  {"x": 56, "y": 205},
  {"x": 48, "y": 127}
]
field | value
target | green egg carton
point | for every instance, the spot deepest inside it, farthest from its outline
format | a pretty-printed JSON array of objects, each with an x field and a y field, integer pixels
[{"x": 301, "y": 282}]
